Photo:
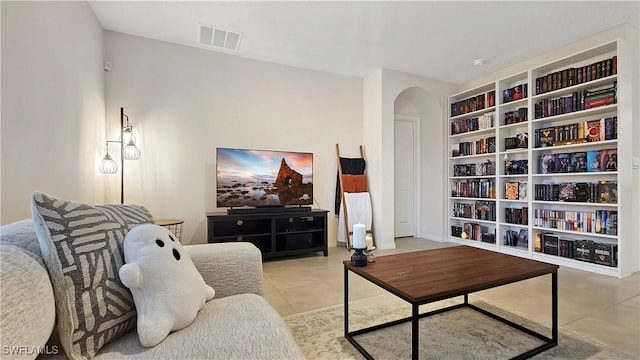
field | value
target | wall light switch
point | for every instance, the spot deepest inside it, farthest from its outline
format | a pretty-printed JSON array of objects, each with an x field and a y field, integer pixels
[{"x": 636, "y": 162}]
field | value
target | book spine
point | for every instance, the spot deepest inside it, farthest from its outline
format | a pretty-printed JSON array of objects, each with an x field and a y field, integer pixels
[{"x": 600, "y": 102}]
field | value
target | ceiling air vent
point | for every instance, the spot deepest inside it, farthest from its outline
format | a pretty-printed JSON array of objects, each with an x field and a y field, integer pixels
[{"x": 220, "y": 38}]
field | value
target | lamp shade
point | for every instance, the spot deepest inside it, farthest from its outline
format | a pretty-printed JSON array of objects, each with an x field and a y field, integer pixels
[
  {"x": 108, "y": 166},
  {"x": 131, "y": 151}
]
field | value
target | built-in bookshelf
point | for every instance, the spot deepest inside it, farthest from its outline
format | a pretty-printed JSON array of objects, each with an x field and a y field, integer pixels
[{"x": 533, "y": 163}]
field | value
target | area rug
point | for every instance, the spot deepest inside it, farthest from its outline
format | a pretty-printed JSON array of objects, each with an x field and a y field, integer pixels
[{"x": 458, "y": 334}]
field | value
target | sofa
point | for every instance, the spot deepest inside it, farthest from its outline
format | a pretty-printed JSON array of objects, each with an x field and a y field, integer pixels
[{"x": 237, "y": 324}]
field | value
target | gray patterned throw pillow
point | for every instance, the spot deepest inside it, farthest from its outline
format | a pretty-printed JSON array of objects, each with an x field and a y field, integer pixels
[{"x": 82, "y": 248}]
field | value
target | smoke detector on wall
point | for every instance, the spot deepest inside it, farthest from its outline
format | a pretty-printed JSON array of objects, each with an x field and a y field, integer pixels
[{"x": 220, "y": 38}]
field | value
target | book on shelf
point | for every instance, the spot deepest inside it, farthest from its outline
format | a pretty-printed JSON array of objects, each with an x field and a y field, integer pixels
[
  {"x": 576, "y": 75},
  {"x": 522, "y": 190},
  {"x": 549, "y": 244},
  {"x": 584, "y": 250},
  {"x": 510, "y": 238},
  {"x": 516, "y": 216},
  {"x": 537, "y": 242},
  {"x": 522, "y": 141},
  {"x": 593, "y": 130},
  {"x": 605, "y": 254},
  {"x": 594, "y": 160},
  {"x": 516, "y": 167},
  {"x": 607, "y": 192},
  {"x": 511, "y": 190},
  {"x": 579, "y": 161},
  {"x": 547, "y": 164},
  {"x": 523, "y": 238},
  {"x": 602, "y": 192},
  {"x": 563, "y": 163},
  {"x": 609, "y": 159},
  {"x": 567, "y": 192},
  {"x": 516, "y": 116},
  {"x": 546, "y": 137},
  {"x": 456, "y": 230},
  {"x": 611, "y": 128}
]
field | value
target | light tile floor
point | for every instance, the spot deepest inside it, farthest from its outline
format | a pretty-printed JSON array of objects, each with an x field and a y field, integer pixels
[{"x": 595, "y": 306}]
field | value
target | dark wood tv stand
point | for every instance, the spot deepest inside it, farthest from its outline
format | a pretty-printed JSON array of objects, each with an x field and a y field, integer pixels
[{"x": 280, "y": 233}]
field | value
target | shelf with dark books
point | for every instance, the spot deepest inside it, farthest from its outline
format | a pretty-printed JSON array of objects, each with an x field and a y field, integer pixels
[
  {"x": 473, "y": 113},
  {"x": 480, "y": 146},
  {"x": 555, "y": 163},
  {"x": 602, "y": 192},
  {"x": 578, "y": 114},
  {"x": 473, "y": 125},
  {"x": 473, "y": 230},
  {"x": 470, "y": 104},
  {"x": 516, "y": 238},
  {"x": 483, "y": 169},
  {"x": 577, "y": 101},
  {"x": 541, "y": 228},
  {"x": 587, "y": 250},
  {"x": 589, "y": 161},
  {"x": 578, "y": 133},
  {"x": 601, "y": 82},
  {"x": 481, "y": 210}
]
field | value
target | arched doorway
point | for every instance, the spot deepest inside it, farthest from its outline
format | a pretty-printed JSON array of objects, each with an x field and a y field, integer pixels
[{"x": 417, "y": 164}]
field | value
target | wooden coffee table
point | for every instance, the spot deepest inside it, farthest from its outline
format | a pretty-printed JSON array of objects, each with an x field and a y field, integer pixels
[{"x": 427, "y": 276}]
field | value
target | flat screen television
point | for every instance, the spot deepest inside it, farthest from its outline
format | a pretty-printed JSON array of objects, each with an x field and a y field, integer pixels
[{"x": 261, "y": 178}]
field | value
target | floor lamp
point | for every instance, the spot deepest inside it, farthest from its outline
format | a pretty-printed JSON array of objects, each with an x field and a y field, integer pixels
[{"x": 127, "y": 152}]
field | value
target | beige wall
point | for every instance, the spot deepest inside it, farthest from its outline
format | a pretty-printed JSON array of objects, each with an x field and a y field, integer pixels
[
  {"x": 52, "y": 104},
  {"x": 185, "y": 102},
  {"x": 382, "y": 88}
]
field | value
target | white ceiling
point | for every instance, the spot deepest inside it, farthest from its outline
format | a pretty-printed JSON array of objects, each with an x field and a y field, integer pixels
[{"x": 435, "y": 39}]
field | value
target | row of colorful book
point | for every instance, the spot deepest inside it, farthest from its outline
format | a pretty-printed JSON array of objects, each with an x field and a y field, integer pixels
[
  {"x": 579, "y": 161},
  {"x": 514, "y": 190},
  {"x": 515, "y": 93},
  {"x": 477, "y": 188},
  {"x": 486, "y": 168},
  {"x": 484, "y": 121},
  {"x": 516, "y": 238},
  {"x": 516, "y": 167},
  {"x": 516, "y": 216},
  {"x": 473, "y": 103},
  {"x": 520, "y": 141},
  {"x": 583, "y": 250},
  {"x": 482, "y": 146},
  {"x": 577, "y": 101},
  {"x": 473, "y": 231},
  {"x": 574, "y": 76},
  {"x": 584, "y": 131},
  {"x": 516, "y": 116},
  {"x": 597, "y": 221},
  {"x": 604, "y": 192}
]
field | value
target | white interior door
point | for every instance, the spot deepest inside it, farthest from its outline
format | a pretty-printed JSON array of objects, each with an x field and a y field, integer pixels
[{"x": 405, "y": 205}]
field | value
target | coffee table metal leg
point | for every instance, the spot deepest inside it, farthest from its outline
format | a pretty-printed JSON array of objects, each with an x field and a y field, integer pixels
[
  {"x": 554, "y": 307},
  {"x": 415, "y": 331},
  {"x": 346, "y": 302}
]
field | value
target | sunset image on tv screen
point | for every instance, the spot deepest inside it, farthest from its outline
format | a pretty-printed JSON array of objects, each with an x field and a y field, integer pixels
[{"x": 263, "y": 178}]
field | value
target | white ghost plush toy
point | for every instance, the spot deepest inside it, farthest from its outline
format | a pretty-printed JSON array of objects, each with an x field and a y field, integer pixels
[{"x": 167, "y": 289}]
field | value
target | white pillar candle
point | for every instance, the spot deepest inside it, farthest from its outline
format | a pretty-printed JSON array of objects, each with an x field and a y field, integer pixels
[{"x": 359, "y": 232}]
